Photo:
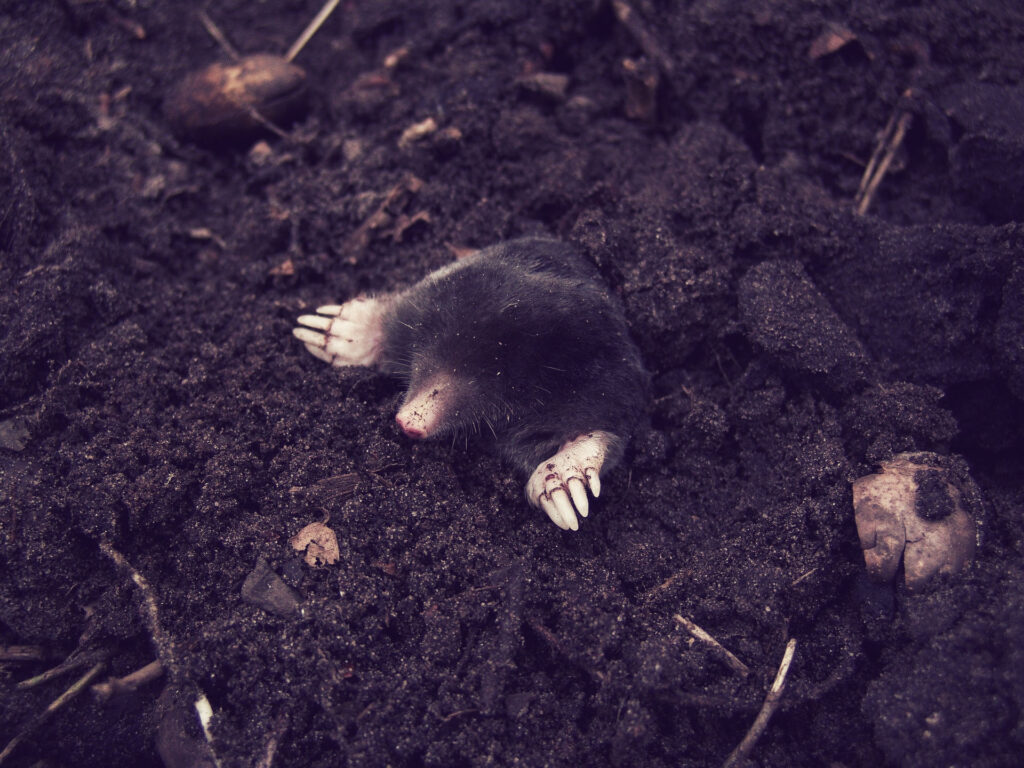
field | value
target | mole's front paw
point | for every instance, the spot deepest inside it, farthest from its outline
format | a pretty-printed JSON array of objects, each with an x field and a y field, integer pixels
[
  {"x": 559, "y": 485},
  {"x": 346, "y": 334}
]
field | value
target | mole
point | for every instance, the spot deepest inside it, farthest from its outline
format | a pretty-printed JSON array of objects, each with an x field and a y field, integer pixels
[{"x": 520, "y": 343}]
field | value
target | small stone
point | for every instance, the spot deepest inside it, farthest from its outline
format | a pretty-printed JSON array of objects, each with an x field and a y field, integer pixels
[
  {"x": 154, "y": 186},
  {"x": 352, "y": 149},
  {"x": 265, "y": 589},
  {"x": 552, "y": 86},
  {"x": 913, "y": 510},
  {"x": 14, "y": 433},
  {"x": 834, "y": 37}
]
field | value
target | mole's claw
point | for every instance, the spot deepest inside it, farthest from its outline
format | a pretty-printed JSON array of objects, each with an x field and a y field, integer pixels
[
  {"x": 549, "y": 508},
  {"x": 316, "y": 321},
  {"x": 560, "y": 483},
  {"x": 310, "y": 338},
  {"x": 564, "y": 507},
  {"x": 345, "y": 334},
  {"x": 578, "y": 492},
  {"x": 318, "y": 352}
]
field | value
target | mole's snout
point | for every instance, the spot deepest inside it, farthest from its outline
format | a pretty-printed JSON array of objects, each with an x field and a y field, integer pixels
[
  {"x": 422, "y": 413},
  {"x": 409, "y": 425}
]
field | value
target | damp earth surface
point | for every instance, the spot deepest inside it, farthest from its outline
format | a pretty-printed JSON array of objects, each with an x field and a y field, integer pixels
[{"x": 158, "y": 418}]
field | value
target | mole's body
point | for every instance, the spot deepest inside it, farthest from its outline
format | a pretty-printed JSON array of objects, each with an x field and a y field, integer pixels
[{"x": 519, "y": 341}]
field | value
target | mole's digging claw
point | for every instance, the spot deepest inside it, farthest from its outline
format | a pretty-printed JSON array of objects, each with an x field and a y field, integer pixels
[
  {"x": 559, "y": 484},
  {"x": 564, "y": 507},
  {"x": 578, "y": 493},
  {"x": 556, "y": 517},
  {"x": 331, "y": 309},
  {"x": 344, "y": 334}
]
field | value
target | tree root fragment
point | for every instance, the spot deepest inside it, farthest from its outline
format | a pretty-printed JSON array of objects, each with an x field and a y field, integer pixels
[{"x": 771, "y": 703}]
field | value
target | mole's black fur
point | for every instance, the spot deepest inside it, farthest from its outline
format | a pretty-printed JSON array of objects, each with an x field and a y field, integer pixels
[{"x": 532, "y": 344}]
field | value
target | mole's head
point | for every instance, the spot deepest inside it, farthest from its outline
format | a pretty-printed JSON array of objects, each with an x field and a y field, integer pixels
[
  {"x": 442, "y": 402},
  {"x": 453, "y": 393},
  {"x": 470, "y": 349}
]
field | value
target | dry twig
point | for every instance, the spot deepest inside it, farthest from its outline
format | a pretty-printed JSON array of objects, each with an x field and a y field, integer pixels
[
  {"x": 218, "y": 36},
  {"x": 115, "y": 686},
  {"x": 39, "y": 720},
  {"x": 724, "y": 653},
  {"x": 273, "y": 741},
  {"x": 311, "y": 29},
  {"x": 22, "y": 653},
  {"x": 164, "y": 644},
  {"x": 771, "y": 703},
  {"x": 888, "y": 144},
  {"x": 648, "y": 42},
  {"x": 70, "y": 664},
  {"x": 559, "y": 647}
]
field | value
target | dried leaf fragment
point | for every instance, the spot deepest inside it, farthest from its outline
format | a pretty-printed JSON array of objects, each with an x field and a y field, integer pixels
[
  {"x": 642, "y": 80},
  {"x": 831, "y": 40},
  {"x": 285, "y": 269},
  {"x": 320, "y": 544},
  {"x": 335, "y": 489},
  {"x": 417, "y": 131}
]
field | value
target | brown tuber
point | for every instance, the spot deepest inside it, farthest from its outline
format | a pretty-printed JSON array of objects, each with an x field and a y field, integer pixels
[
  {"x": 915, "y": 510},
  {"x": 232, "y": 100}
]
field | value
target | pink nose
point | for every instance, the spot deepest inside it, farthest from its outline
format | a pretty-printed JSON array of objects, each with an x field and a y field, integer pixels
[{"x": 415, "y": 431}]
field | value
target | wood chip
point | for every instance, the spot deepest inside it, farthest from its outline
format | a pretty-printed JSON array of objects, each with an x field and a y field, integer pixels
[
  {"x": 417, "y": 131},
  {"x": 831, "y": 40}
]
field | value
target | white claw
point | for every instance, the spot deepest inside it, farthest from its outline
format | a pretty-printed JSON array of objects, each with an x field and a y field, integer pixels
[
  {"x": 316, "y": 321},
  {"x": 564, "y": 506},
  {"x": 549, "y": 507},
  {"x": 578, "y": 492},
  {"x": 309, "y": 337},
  {"x": 559, "y": 485},
  {"x": 329, "y": 309},
  {"x": 317, "y": 352}
]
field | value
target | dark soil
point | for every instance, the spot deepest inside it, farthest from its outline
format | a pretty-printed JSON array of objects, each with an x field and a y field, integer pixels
[{"x": 154, "y": 404}]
